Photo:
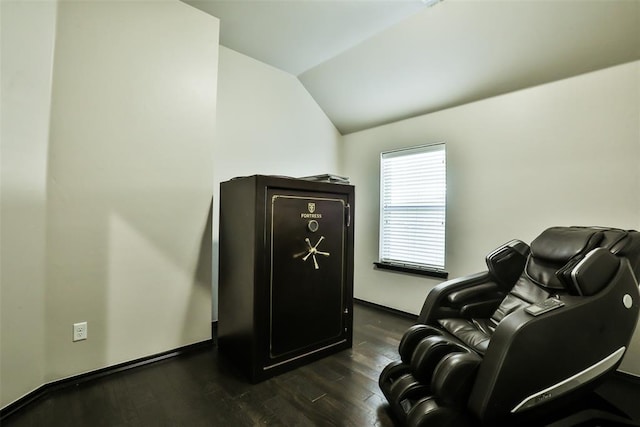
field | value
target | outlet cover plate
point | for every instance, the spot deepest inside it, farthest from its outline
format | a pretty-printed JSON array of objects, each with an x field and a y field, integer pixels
[{"x": 79, "y": 331}]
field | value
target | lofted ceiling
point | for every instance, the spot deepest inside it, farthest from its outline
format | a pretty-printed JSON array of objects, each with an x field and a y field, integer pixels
[{"x": 371, "y": 62}]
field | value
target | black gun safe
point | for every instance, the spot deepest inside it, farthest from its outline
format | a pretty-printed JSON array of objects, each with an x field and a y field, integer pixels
[{"x": 285, "y": 294}]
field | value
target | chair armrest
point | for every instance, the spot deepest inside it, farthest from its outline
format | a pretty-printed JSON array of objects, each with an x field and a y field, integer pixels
[
  {"x": 436, "y": 305},
  {"x": 474, "y": 293},
  {"x": 481, "y": 310},
  {"x": 478, "y": 301},
  {"x": 507, "y": 262}
]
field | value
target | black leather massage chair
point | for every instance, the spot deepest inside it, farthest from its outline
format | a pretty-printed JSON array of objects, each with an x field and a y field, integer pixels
[{"x": 514, "y": 344}]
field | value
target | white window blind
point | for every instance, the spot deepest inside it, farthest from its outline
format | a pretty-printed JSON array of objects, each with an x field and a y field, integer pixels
[{"x": 413, "y": 207}]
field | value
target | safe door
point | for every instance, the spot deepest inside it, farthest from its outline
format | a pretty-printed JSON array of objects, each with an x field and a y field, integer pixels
[{"x": 307, "y": 255}]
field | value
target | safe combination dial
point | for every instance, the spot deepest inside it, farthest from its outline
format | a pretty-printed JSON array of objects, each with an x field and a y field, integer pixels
[{"x": 313, "y": 251}]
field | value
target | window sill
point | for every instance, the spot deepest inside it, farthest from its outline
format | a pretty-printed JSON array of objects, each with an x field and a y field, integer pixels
[{"x": 441, "y": 274}]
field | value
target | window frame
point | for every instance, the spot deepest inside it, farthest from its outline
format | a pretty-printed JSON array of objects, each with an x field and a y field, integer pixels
[{"x": 405, "y": 265}]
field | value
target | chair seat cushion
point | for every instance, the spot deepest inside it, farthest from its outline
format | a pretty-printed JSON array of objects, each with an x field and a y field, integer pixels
[{"x": 476, "y": 333}]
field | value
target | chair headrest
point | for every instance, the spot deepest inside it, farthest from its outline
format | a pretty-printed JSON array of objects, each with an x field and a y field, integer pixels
[
  {"x": 560, "y": 244},
  {"x": 554, "y": 248},
  {"x": 622, "y": 243}
]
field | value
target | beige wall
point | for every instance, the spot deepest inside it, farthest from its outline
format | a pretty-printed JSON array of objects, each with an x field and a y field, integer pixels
[
  {"x": 267, "y": 124},
  {"x": 107, "y": 184},
  {"x": 565, "y": 153},
  {"x": 121, "y": 233},
  {"x": 28, "y": 34},
  {"x": 130, "y": 168}
]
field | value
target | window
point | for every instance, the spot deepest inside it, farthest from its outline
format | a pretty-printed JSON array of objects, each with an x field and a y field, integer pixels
[{"x": 413, "y": 208}]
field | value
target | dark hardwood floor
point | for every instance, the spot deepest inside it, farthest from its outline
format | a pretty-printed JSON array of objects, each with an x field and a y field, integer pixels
[{"x": 202, "y": 389}]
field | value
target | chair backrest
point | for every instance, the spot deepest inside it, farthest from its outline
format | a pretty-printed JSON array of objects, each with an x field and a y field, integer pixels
[{"x": 555, "y": 253}]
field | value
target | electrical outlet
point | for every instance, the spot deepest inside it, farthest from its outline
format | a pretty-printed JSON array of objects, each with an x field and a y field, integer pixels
[{"x": 79, "y": 331}]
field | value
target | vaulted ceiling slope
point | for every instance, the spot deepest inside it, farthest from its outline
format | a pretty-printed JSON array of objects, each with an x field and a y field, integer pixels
[{"x": 371, "y": 62}]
